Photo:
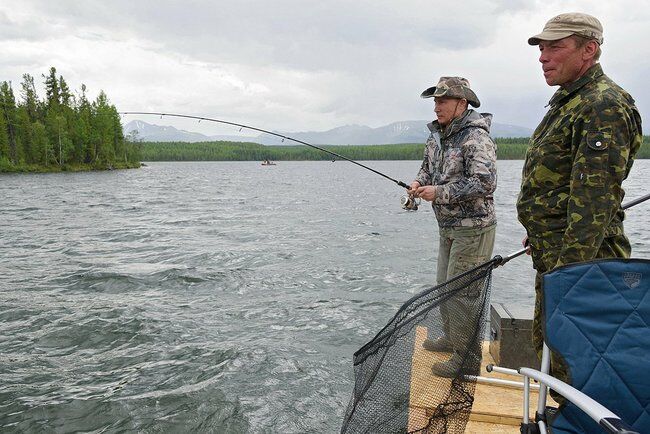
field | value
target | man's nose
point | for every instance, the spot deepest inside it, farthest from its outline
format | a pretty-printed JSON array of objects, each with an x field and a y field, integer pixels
[{"x": 543, "y": 57}]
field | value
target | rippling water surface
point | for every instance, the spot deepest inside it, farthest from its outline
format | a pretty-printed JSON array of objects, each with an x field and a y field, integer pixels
[{"x": 216, "y": 297}]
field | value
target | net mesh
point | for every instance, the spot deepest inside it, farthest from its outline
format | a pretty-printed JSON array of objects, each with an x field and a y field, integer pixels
[{"x": 412, "y": 376}]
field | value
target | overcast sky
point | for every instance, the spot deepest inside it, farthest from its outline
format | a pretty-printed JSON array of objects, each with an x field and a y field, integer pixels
[{"x": 298, "y": 65}]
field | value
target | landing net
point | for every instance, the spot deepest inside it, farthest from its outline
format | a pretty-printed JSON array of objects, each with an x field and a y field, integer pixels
[{"x": 402, "y": 387}]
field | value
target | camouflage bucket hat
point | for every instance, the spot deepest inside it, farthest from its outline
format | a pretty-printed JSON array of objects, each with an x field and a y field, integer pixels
[
  {"x": 565, "y": 25},
  {"x": 453, "y": 87}
]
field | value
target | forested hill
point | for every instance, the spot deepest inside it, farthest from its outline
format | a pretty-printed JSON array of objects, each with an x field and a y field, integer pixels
[
  {"x": 60, "y": 131},
  {"x": 507, "y": 149}
]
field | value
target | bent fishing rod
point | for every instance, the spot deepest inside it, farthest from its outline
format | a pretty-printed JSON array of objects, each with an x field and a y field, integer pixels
[
  {"x": 502, "y": 260},
  {"x": 248, "y": 127}
]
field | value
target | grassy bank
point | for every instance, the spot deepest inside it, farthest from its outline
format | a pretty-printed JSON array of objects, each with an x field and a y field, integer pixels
[{"x": 7, "y": 167}]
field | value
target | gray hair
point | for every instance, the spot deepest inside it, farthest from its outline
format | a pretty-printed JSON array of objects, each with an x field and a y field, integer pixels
[{"x": 581, "y": 41}]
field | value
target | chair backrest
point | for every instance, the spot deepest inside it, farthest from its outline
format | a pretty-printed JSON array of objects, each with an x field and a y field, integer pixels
[{"x": 597, "y": 318}]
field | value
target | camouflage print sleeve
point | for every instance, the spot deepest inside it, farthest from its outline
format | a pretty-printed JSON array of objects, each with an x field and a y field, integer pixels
[
  {"x": 602, "y": 137},
  {"x": 424, "y": 175},
  {"x": 480, "y": 180}
]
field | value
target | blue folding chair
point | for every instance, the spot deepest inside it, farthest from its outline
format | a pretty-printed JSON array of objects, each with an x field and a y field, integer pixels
[{"x": 597, "y": 319}]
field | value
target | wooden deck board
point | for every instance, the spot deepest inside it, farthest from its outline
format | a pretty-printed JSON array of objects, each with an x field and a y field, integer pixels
[
  {"x": 474, "y": 427},
  {"x": 496, "y": 409}
]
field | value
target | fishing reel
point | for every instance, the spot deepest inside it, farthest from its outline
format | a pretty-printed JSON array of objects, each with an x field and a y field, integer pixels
[{"x": 410, "y": 203}]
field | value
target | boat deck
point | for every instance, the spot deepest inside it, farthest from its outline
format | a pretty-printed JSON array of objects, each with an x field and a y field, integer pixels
[{"x": 496, "y": 408}]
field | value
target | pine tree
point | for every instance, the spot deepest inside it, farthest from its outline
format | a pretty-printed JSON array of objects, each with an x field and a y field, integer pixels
[
  {"x": 58, "y": 114},
  {"x": 8, "y": 104},
  {"x": 68, "y": 116},
  {"x": 82, "y": 131},
  {"x": 65, "y": 97},
  {"x": 103, "y": 130},
  {"x": 4, "y": 139},
  {"x": 30, "y": 97},
  {"x": 119, "y": 144},
  {"x": 25, "y": 135},
  {"x": 52, "y": 91}
]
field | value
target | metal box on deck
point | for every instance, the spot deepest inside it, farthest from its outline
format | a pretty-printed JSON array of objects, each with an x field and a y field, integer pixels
[{"x": 511, "y": 343}]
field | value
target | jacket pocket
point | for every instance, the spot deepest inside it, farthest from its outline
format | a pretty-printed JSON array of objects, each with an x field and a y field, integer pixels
[{"x": 594, "y": 170}]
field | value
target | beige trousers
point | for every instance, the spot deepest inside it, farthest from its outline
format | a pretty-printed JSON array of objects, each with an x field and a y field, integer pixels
[{"x": 462, "y": 249}]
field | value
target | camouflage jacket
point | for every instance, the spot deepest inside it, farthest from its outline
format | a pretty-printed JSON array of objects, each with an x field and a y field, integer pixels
[
  {"x": 461, "y": 162},
  {"x": 579, "y": 155}
]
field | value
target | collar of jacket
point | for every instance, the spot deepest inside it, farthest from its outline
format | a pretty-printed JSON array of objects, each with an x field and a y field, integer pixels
[
  {"x": 455, "y": 125},
  {"x": 564, "y": 92}
]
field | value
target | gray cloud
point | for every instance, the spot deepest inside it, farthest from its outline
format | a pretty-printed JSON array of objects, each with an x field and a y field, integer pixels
[
  {"x": 29, "y": 28},
  {"x": 300, "y": 65},
  {"x": 289, "y": 33}
]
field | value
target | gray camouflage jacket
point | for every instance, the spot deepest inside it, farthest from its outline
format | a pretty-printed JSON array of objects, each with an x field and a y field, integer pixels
[{"x": 461, "y": 162}]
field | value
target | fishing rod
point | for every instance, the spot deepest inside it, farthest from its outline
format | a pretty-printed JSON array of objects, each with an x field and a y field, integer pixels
[
  {"x": 248, "y": 127},
  {"x": 504, "y": 259}
]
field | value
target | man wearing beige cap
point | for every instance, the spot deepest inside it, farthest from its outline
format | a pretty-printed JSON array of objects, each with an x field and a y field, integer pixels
[
  {"x": 579, "y": 155},
  {"x": 458, "y": 177}
]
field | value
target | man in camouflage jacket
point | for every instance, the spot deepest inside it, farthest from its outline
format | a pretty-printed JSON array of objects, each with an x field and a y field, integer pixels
[
  {"x": 458, "y": 177},
  {"x": 579, "y": 155}
]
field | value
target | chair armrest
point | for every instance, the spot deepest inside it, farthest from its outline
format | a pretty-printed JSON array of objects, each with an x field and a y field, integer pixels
[{"x": 599, "y": 413}]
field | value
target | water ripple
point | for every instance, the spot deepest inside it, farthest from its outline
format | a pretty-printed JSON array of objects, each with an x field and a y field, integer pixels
[{"x": 168, "y": 300}]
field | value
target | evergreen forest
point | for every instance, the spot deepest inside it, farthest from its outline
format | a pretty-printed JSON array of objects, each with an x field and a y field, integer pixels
[
  {"x": 61, "y": 131},
  {"x": 507, "y": 149}
]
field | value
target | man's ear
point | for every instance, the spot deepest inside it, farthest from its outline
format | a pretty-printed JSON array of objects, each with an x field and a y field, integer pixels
[{"x": 590, "y": 49}]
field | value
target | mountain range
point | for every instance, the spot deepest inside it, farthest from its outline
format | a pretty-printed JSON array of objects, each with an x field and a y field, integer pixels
[{"x": 396, "y": 132}]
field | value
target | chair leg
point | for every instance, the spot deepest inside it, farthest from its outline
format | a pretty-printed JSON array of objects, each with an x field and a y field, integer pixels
[
  {"x": 543, "y": 390},
  {"x": 540, "y": 416}
]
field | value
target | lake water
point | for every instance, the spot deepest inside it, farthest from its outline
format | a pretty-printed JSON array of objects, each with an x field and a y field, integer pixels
[{"x": 217, "y": 297}]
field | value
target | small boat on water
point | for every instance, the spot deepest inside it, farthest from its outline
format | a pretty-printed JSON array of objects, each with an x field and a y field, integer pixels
[{"x": 268, "y": 163}]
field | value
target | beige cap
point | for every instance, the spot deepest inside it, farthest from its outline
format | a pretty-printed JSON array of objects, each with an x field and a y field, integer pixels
[
  {"x": 565, "y": 25},
  {"x": 453, "y": 87}
]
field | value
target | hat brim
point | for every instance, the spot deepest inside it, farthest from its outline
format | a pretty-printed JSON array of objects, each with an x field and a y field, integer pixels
[
  {"x": 471, "y": 98},
  {"x": 428, "y": 93},
  {"x": 549, "y": 35}
]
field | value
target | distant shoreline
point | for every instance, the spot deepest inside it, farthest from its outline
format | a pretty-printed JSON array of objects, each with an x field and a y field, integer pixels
[{"x": 507, "y": 149}]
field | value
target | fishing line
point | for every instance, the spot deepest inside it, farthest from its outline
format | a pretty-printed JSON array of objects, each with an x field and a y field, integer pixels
[{"x": 201, "y": 118}]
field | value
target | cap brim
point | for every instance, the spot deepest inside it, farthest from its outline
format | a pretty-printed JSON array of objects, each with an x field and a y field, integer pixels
[
  {"x": 428, "y": 93},
  {"x": 549, "y": 35}
]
